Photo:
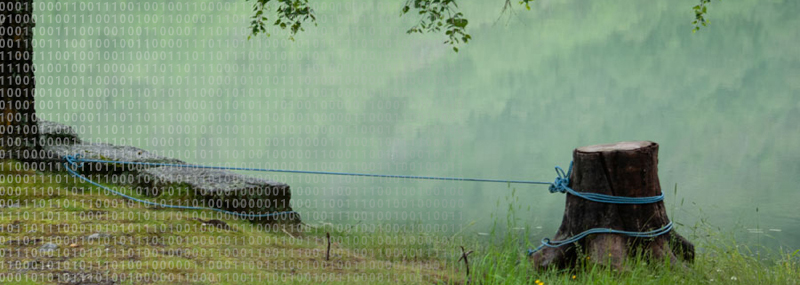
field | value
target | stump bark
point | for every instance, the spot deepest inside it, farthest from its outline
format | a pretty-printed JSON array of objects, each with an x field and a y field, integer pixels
[{"x": 621, "y": 169}]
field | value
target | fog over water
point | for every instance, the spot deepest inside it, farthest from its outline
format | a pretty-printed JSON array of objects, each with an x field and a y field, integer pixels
[{"x": 358, "y": 94}]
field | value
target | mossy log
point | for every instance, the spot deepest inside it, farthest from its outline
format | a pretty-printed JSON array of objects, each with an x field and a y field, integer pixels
[{"x": 207, "y": 187}]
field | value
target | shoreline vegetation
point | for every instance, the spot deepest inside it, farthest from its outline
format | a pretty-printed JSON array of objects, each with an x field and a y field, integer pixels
[{"x": 55, "y": 229}]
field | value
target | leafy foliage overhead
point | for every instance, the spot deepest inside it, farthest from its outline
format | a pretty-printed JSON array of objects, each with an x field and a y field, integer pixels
[
  {"x": 291, "y": 14},
  {"x": 435, "y": 16},
  {"x": 699, "y": 15},
  {"x": 438, "y": 14}
]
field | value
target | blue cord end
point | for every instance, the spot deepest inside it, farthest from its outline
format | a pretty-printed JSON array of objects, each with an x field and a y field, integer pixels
[{"x": 562, "y": 180}]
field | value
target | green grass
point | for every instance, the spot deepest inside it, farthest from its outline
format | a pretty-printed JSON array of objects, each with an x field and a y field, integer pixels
[
  {"x": 721, "y": 262},
  {"x": 149, "y": 242}
]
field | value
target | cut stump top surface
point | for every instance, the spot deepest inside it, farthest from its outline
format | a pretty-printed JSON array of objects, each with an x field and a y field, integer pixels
[{"x": 620, "y": 146}]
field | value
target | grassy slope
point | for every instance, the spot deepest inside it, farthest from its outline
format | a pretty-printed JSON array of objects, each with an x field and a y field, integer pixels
[
  {"x": 57, "y": 208},
  {"x": 161, "y": 243}
]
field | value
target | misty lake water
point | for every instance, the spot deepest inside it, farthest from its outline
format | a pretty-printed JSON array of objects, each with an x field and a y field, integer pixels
[{"x": 357, "y": 94}]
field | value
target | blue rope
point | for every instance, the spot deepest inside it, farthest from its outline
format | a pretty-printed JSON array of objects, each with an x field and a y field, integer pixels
[
  {"x": 310, "y": 172},
  {"x": 559, "y": 185},
  {"x": 546, "y": 242}
]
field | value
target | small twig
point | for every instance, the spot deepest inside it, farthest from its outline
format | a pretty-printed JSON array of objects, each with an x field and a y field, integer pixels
[
  {"x": 328, "y": 254},
  {"x": 464, "y": 256},
  {"x": 284, "y": 230},
  {"x": 508, "y": 7}
]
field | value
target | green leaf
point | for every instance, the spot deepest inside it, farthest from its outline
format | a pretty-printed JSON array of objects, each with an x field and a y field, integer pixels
[
  {"x": 405, "y": 9},
  {"x": 455, "y": 49}
]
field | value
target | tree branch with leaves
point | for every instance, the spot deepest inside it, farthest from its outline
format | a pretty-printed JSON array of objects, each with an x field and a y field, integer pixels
[
  {"x": 438, "y": 14},
  {"x": 290, "y": 14},
  {"x": 435, "y": 16},
  {"x": 700, "y": 15}
]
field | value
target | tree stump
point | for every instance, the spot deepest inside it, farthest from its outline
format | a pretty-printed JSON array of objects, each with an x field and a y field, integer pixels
[{"x": 621, "y": 169}]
